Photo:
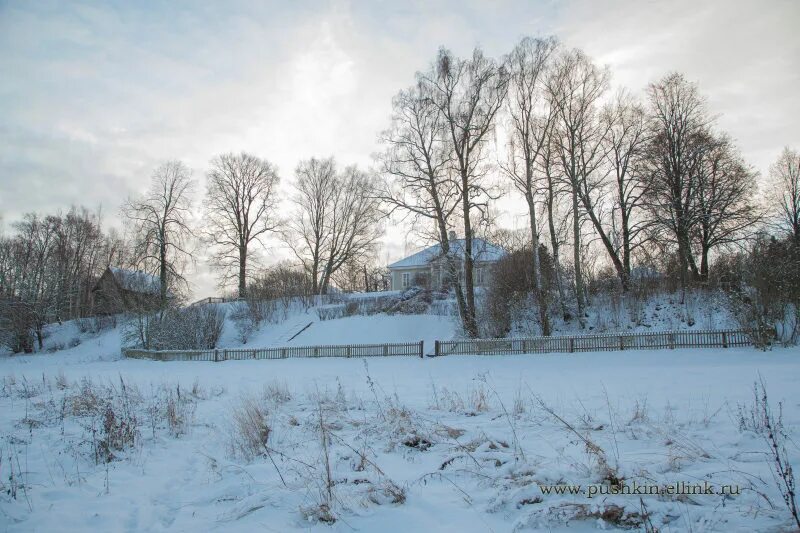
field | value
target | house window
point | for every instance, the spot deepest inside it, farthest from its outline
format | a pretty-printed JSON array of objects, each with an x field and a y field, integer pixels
[
  {"x": 479, "y": 276},
  {"x": 406, "y": 279}
]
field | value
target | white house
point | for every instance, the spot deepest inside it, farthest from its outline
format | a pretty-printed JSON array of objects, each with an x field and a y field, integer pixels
[{"x": 427, "y": 267}]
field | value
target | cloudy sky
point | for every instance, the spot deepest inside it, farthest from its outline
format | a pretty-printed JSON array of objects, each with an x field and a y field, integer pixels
[{"x": 94, "y": 95}]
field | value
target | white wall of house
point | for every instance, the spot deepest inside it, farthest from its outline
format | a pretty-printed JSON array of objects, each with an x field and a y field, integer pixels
[{"x": 403, "y": 278}]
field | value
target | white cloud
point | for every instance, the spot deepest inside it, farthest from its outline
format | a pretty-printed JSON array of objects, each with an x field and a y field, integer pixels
[{"x": 100, "y": 93}]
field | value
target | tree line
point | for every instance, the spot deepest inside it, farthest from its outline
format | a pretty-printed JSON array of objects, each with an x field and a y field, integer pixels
[
  {"x": 638, "y": 181},
  {"x": 49, "y": 264}
]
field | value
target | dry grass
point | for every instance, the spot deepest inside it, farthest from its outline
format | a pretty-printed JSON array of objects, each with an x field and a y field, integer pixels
[
  {"x": 277, "y": 392},
  {"x": 251, "y": 428}
]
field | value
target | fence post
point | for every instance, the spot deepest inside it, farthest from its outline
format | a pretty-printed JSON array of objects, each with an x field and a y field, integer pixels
[
  {"x": 216, "y": 355},
  {"x": 385, "y": 350},
  {"x": 348, "y": 351},
  {"x": 436, "y": 348},
  {"x": 224, "y": 355},
  {"x": 724, "y": 339},
  {"x": 621, "y": 343},
  {"x": 421, "y": 349},
  {"x": 571, "y": 345}
]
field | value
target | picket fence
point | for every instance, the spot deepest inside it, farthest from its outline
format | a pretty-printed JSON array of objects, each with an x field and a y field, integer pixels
[
  {"x": 531, "y": 345},
  {"x": 594, "y": 343},
  {"x": 414, "y": 349}
]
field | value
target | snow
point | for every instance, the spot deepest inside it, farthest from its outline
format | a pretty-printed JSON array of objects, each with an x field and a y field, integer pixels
[
  {"x": 304, "y": 328},
  {"x": 481, "y": 251},
  {"x": 664, "y": 416},
  {"x": 608, "y": 313},
  {"x": 377, "y": 329}
]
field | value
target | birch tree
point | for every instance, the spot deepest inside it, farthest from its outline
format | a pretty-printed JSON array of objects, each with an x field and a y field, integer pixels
[
  {"x": 468, "y": 93},
  {"x": 530, "y": 119},
  {"x": 574, "y": 89},
  {"x": 553, "y": 191},
  {"x": 417, "y": 167}
]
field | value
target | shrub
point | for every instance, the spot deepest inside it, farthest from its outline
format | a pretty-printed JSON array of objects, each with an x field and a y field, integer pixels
[
  {"x": 190, "y": 328},
  {"x": 511, "y": 288},
  {"x": 96, "y": 324},
  {"x": 243, "y": 320},
  {"x": 17, "y": 326}
]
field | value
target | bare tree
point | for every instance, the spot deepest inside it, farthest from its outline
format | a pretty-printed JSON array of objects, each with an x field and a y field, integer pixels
[
  {"x": 309, "y": 232},
  {"x": 162, "y": 224},
  {"x": 574, "y": 89},
  {"x": 337, "y": 218},
  {"x": 468, "y": 93},
  {"x": 724, "y": 199},
  {"x": 784, "y": 191},
  {"x": 530, "y": 120},
  {"x": 556, "y": 224},
  {"x": 678, "y": 123},
  {"x": 240, "y": 210},
  {"x": 416, "y": 163},
  {"x": 354, "y": 222},
  {"x": 30, "y": 294},
  {"x": 48, "y": 267},
  {"x": 613, "y": 196}
]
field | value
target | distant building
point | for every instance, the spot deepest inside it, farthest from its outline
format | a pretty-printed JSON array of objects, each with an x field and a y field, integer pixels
[
  {"x": 120, "y": 290},
  {"x": 428, "y": 267}
]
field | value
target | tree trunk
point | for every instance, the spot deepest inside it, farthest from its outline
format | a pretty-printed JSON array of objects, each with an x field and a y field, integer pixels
[
  {"x": 315, "y": 274},
  {"x": 704, "y": 263},
  {"x": 683, "y": 258},
  {"x": 691, "y": 262},
  {"x": 556, "y": 248},
  {"x": 326, "y": 278},
  {"x": 626, "y": 251},
  {"x": 576, "y": 237},
  {"x": 163, "y": 268},
  {"x": 612, "y": 253},
  {"x": 242, "y": 271},
  {"x": 452, "y": 267},
  {"x": 541, "y": 298},
  {"x": 40, "y": 337},
  {"x": 470, "y": 325}
]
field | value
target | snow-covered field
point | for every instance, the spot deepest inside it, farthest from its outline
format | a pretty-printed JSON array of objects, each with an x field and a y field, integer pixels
[{"x": 396, "y": 444}]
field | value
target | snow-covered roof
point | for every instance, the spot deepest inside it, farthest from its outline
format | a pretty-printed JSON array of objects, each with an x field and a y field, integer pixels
[
  {"x": 481, "y": 251},
  {"x": 136, "y": 280}
]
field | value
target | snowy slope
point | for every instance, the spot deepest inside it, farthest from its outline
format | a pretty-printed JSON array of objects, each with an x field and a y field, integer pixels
[{"x": 374, "y": 329}]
